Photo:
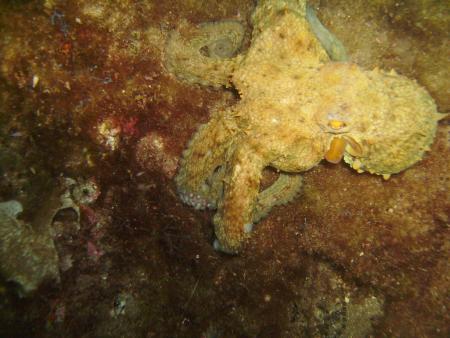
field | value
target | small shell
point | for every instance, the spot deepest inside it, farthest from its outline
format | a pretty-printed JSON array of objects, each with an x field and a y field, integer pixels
[{"x": 35, "y": 81}]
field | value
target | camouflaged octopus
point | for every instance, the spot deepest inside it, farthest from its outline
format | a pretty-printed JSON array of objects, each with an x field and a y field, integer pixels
[{"x": 300, "y": 102}]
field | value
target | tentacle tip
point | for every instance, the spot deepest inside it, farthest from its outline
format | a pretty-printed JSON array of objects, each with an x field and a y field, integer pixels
[
  {"x": 220, "y": 248},
  {"x": 248, "y": 228},
  {"x": 216, "y": 245}
]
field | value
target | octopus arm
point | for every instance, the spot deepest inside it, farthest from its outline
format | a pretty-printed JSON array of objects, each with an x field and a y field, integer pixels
[
  {"x": 234, "y": 219},
  {"x": 335, "y": 49},
  {"x": 282, "y": 191},
  {"x": 200, "y": 177},
  {"x": 267, "y": 11},
  {"x": 205, "y": 54}
]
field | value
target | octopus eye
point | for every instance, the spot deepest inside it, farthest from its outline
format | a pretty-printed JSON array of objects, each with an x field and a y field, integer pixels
[
  {"x": 336, "y": 124},
  {"x": 336, "y": 151}
]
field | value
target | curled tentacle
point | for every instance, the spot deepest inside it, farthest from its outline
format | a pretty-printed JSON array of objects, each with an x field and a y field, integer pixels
[
  {"x": 282, "y": 191},
  {"x": 200, "y": 178},
  {"x": 335, "y": 49},
  {"x": 205, "y": 54},
  {"x": 234, "y": 221}
]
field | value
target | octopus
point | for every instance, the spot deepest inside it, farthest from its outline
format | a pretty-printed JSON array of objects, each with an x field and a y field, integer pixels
[{"x": 300, "y": 101}]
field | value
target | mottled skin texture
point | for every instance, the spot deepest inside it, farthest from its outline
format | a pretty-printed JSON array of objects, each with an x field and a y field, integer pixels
[
  {"x": 196, "y": 58},
  {"x": 296, "y": 108}
]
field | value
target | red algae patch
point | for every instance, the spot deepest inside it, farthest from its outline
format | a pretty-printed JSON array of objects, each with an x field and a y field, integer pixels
[{"x": 151, "y": 154}]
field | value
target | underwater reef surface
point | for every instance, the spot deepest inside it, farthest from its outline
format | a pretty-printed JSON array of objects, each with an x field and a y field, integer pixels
[{"x": 92, "y": 129}]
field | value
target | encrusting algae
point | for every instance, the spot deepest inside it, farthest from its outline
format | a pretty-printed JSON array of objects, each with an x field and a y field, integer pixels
[{"x": 298, "y": 106}]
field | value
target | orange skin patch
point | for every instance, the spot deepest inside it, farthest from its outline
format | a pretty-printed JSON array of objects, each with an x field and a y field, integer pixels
[
  {"x": 336, "y": 124},
  {"x": 336, "y": 151}
]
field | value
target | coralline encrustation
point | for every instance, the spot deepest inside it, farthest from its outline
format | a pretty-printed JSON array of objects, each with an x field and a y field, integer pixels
[{"x": 297, "y": 107}]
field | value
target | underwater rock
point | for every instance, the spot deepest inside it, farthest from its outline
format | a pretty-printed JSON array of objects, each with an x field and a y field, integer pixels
[
  {"x": 108, "y": 134},
  {"x": 297, "y": 108},
  {"x": 390, "y": 239},
  {"x": 27, "y": 253},
  {"x": 329, "y": 306},
  {"x": 152, "y": 154},
  {"x": 26, "y": 256}
]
